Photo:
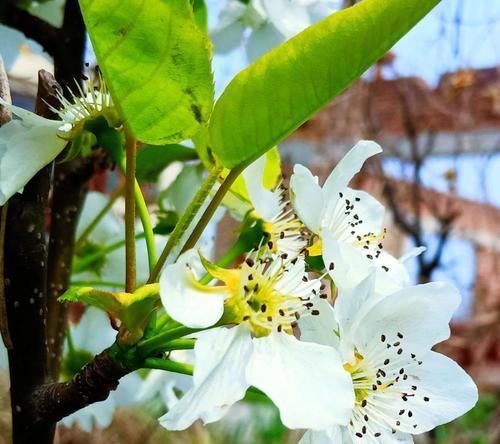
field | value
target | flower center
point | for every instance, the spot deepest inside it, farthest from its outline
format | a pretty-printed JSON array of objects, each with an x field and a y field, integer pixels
[
  {"x": 271, "y": 297},
  {"x": 385, "y": 389}
]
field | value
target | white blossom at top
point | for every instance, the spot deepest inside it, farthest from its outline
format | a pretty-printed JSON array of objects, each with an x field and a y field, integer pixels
[
  {"x": 29, "y": 143},
  {"x": 402, "y": 387},
  {"x": 348, "y": 223},
  {"x": 263, "y": 300},
  {"x": 270, "y": 23}
]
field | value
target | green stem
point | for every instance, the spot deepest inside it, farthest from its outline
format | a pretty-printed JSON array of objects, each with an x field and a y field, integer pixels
[
  {"x": 162, "y": 321},
  {"x": 91, "y": 283},
  {"x": 179, "y": 344},
  {"x": 212, "y": 207},
  {"x": 157, "y": 343},
  {"x": 142, "y": 210},
  {"x": 83, "y": 237},
  {"x": 130, "y": 253},
  {"x": 168, "y": 365},
  {"x": 185, "y": 221},
  {"x": 81, "y": 264}
]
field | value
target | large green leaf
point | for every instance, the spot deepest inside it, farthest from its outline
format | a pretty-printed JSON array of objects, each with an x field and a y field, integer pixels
[
  {"x": 272, "y": 97},
  {"x": 156, "y": 62}
]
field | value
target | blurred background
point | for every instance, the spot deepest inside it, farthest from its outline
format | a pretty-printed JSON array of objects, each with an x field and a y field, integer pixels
[{"x": 433, "y": 103}]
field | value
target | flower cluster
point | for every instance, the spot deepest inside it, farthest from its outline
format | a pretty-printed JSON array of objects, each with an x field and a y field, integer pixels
[{"x": 318, "y": 317}]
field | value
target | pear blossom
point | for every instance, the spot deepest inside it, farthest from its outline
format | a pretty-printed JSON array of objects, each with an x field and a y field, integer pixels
[
  {"x": 401, "y": 386},
  {"x": 282, "y": 228},
  {"x": 271, "y": 22},
  {"x": 252, "y": 342},
  {"x": 29, "y": 143},
  {"x": 346, "y": 221}
]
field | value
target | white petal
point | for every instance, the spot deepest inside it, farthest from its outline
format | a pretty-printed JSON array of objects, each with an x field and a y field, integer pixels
[
  {"x": 30, "y": 119},
  {"x": 333, "y": 435},
  {"x": 289, "y": 18},
  {"x": 219, "y": 378},
  {"x": 265, "y": 202},
  {"x": 100, "y": 412},
  {"x": 262, "y": 40},
  {"x": 110, "y": 227},
  {"x": 319, "y": 10},
  {"x": 392, "y": 275},
  {"x": 350, "y": 164},
  {"x": 24, "y": 150},
  {"x": 83, "y": 333},
  {"x": 228, "y": 32},
  {"x": 292, "y": 284},
  {"x": 350, "y": 266},
  {"x": 420, "y": 313},
  {"x": 363, "y": 207},
  {"x": 451, "y": 393},
  {"x": 186, "y": 302},
  {"x": 413, "y": 252},
  {"x": 306, "y": 381},
  {"x": 307, "y": 197},
  {"x": 320, "y": 329}
]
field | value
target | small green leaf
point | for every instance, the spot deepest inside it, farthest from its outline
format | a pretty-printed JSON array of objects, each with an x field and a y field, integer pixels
[
  {"x": 152, "y": 160},
  {"x": 271, "y": 98},
  {"x": 156, "y": 63},
  {"x": 132, "y": 309}
]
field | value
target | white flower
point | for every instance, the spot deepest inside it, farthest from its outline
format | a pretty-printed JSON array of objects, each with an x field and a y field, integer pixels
[
  {"x": 348, "y": 223},
  {"x": 32, "y": 142},
  {"x": 281, "y": 225},
  {"x": 271, "y": 22},
  {"x": 263, "y": 299},
  {"x": 91, "y": 336},
  {"x": 402, "y": 387}
]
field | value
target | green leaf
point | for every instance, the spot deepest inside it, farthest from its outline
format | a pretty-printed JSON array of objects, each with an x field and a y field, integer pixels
[
  {"x": 152, "y": 160},
  {"x": 271, "y": 98},
  {"x": 156, "y": 63},
  {"x": 200, "y": 14},
  {"x": 132, "y": 309}
]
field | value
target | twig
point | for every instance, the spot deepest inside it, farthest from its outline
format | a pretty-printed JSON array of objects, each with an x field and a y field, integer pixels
[
  {"x": 93, "y": 383},
  {"x": 130, "y": 257}
]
